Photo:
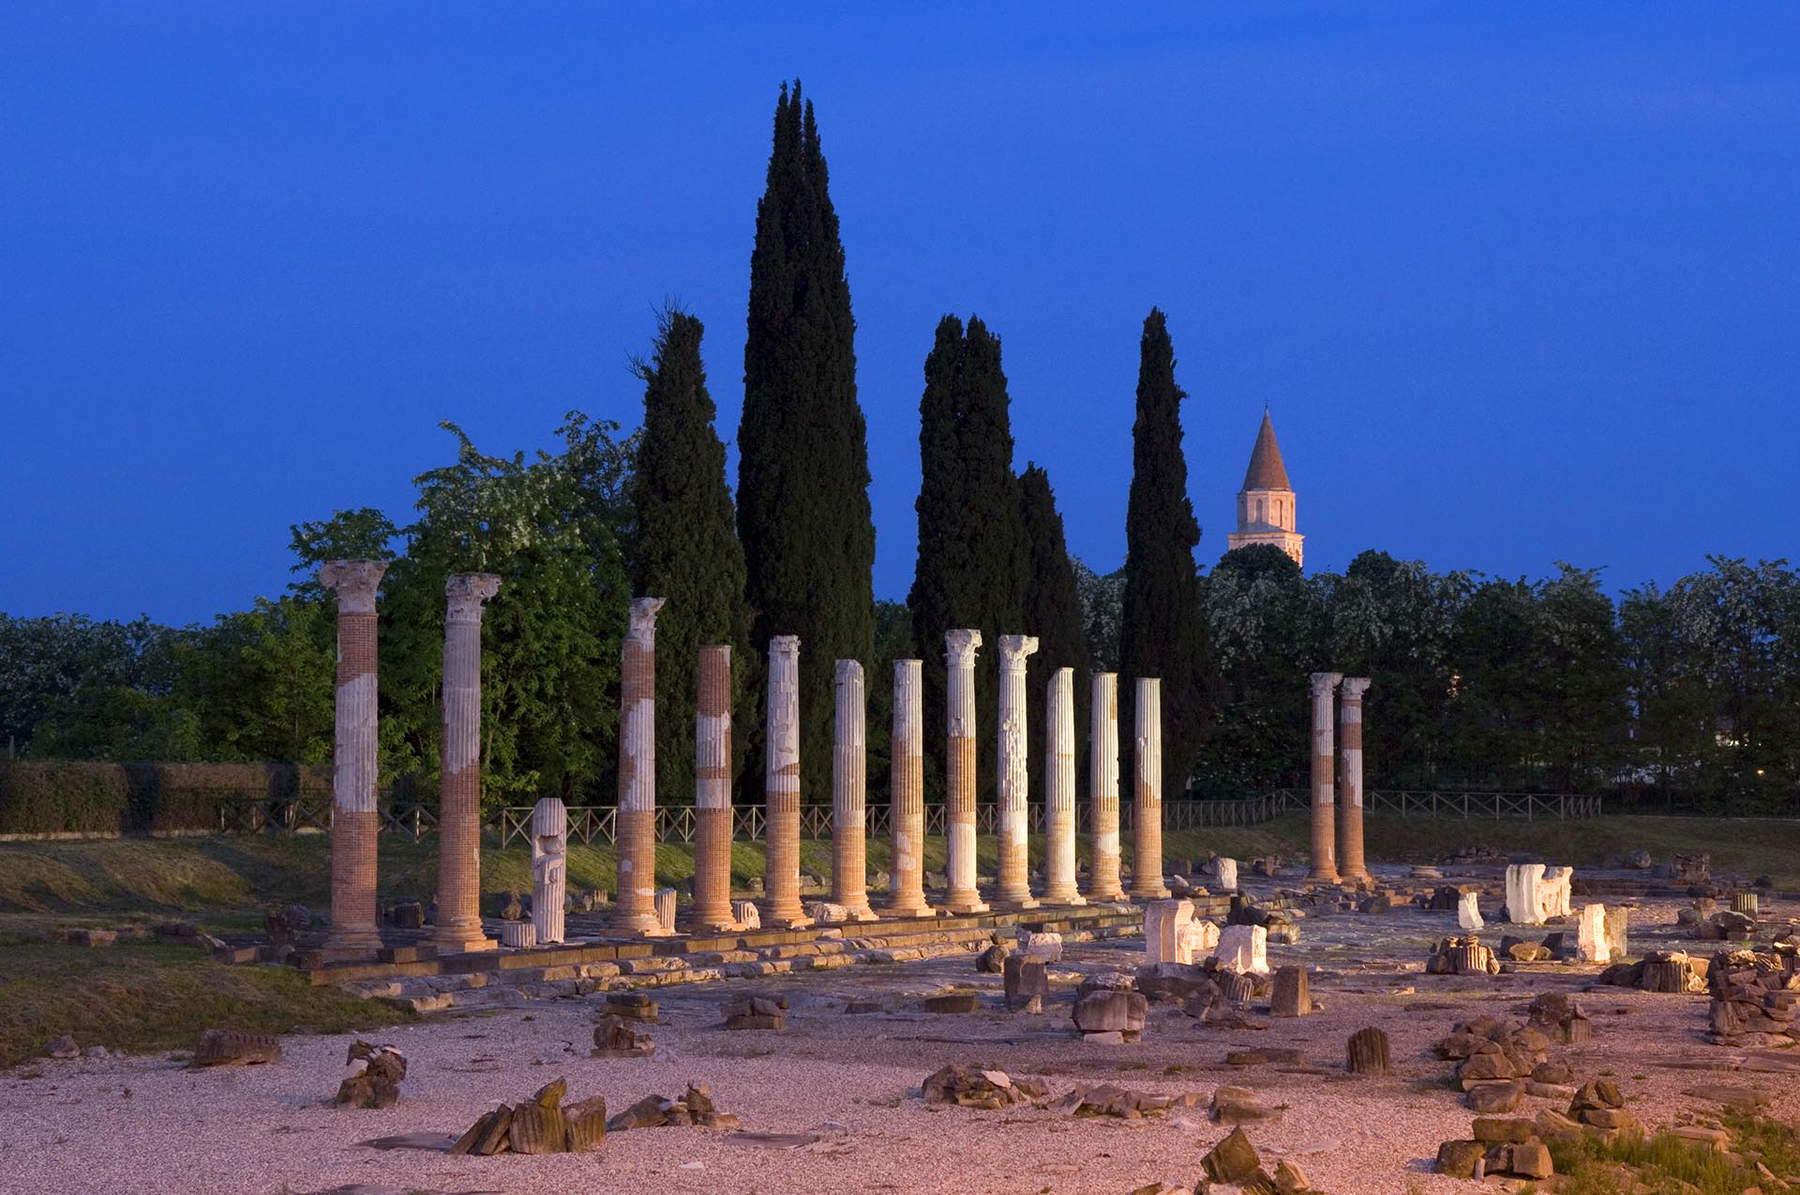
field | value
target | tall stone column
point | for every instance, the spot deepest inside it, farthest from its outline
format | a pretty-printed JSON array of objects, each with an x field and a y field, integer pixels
[
  {"x": 635, "y": 836},
  {"x": 458, "y": 925},
  {"x": 1103, "y": 789},
  {"x": 906, "y": 810},
  {"x": 781, "y": 789},
  {"x": 959, "y": 787},
  {"x": 1350, "y": 779},
  {"x": 1059, "y": 790},
  {"x": 355, "y": 824},
  {"x": 1324, "y": 833},
  {"x": 1146, "y": 804},
  {"x": 712, "y": 792},
  {"x": 849, "y": 793},
  {"x": 1014, "y": 888}
]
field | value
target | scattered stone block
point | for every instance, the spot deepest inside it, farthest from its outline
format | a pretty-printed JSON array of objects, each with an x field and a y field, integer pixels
[
  {"x": 1243, "y": 949},
  {"x": 1459, "y": 1159},
  {"x": 746, "y": 914},
  {"x": 1366, "y": 1053},
  {"x": 585, "y": 1123},
  {"x": 952, "y": 1002},
  {"x": 1115, "y": 1011},
  {"x": 1027, "y": 983},
  {"x": 1045, "y": 947},
  {"x": 1494, "y": 1130},
  {"x": 1232, "y": 1160},
  {"x": 372, "y": 1076},
  {"x": 232, "y": 1047},
  {"x": 1462, "y": 955},
  {"x": 1468, "y": 912},
  {"x": 633, "y": 1006},
  {"x": 1496, "y": 1097},
  {"x": 1292, "y": 996},
  {"x": 1591, "y": 943},
  {"x": 1239, "y": 1105},
  {"x": 993, "y": 960},
  {"x": 971, "y": 1087},
  {"x": 614, "y": 1037},
  {"x": 752, "y": 1011}
]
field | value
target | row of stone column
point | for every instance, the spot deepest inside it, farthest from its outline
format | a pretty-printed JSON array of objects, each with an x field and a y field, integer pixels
[
  {"x": 1337, "y": 778},
  {"x": 457, "y": 928}
]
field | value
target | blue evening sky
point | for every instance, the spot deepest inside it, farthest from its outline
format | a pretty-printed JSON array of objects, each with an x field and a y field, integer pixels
[{"x": 1518, "y": 281}]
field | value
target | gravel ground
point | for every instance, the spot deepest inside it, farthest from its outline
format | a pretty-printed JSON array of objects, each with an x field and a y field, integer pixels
[{"x": 146, "y": 1124}]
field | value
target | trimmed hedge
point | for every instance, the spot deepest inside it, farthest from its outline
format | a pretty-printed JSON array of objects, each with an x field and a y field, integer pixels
[{"x": 138, "y": 798}]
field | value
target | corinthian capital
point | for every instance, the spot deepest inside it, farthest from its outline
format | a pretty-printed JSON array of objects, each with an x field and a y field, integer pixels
[
  {"x": 959, "y": 648},
  {"x": 465, "y": 592},
  {"x": 354, "y": 582}
]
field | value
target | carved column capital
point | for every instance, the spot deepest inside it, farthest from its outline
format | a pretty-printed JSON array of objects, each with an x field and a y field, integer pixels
[
  {"x": 1354, "y": 687},
  {"x": 1014, "y": 649},
  {"x": 464, "y": 594},
  {"x": 642, "y": 632},
  {"x": 1324, "y": 682},
  {"x": 354, "y": 582},
  {"x": 959, "y": 648}
]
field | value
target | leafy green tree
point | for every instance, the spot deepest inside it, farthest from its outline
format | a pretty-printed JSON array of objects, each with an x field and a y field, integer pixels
[
  {"x": 361, "y": 534},
  {"x": 803, "y": 468},
  {"x": 550, "y": 659},
  {"x": 1101, "y": 600},
  {"x": 974, "y": 557},
  {"x": 1161, "y": 630},
  {"x": 260, "y": 683},
  {"x": 687, "y": 545},
  {"x": 50, "y": 667}
]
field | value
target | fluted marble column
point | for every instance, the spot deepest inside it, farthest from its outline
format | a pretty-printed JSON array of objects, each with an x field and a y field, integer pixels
[
  {"x": 1146, "y": 805},
  {"x": 712, "y": 792},
  {"x": 1103, "y": 790},
  {"x": 1350, "y": 779},
  {"x": 1324, "y": 831},
  {"x": 850, "y": 793},
  {"x": 635, "y": 912},
  {"x": 781, "y": 789},
  {"x": 959, "y": 787},
  {"x": 1014, "y": 888},
  {"x": 906, "y": 810},
  {"x": 458, "y": 925},
  {"x": 1059, "y": 790},
  {"x": 355, "y": 824}
]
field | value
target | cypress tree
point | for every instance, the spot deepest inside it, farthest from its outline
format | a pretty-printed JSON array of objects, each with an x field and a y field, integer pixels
[
  {"x": 974, "y": 559},
  {"x": 688, "y": 550},
  {"x": 1052, "y": 613},
  {"x": 803, "y": 465},
  {"x": 1162, "y": 631}
]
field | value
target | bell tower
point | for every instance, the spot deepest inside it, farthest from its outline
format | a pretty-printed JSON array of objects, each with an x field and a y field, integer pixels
[{"x": 1265, "y": 506}]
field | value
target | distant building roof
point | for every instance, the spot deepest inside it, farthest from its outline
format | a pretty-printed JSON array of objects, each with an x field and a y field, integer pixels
[{"x": 1266, "y": 471}]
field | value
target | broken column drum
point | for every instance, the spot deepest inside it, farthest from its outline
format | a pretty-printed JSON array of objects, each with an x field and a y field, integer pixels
[
  {"x": 849, "y": 793},
  {"x": 636, "y": 835},
  {"x": 549, "y": 868},
  {"x": 1351, "y": 867},
  {"x": 1014, "y": 888},
  {"x": 1059, "y": 789},
  {"x": 712, "y": 792},
  {"x": 1146, "y": 806},
  {"x": 1103, "y": 790},
  {"x": 355, "y": 824},
  {"x": 459, "y": 797},
  {"x": 906, "y": 812},
  {"x": 959, "y": 788},
  {"x": 1524, "y": 895},
  {"x": 781, "y": 789},
  {"x": 1324, "y": 820}
]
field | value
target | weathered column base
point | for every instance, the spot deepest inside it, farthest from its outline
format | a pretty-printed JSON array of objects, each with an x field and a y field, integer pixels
[
  {"x": 773, "y": 920},
  {"x": 1015, "y": 904},
  {"x": 637, "y": 925},
  {"x": 909, "y": 912},
  {"x": 462, "y": 939},
  {"x": 961, "y": 904},
  {"x": 1070, "y": 897}
]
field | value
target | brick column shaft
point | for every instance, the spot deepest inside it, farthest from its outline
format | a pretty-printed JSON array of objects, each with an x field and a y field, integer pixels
[
  {"x": 1324, "y": 834},
  {"x": 906, "y": 809},
  {"x": 458, "y": 926},
  {"x": 959, "y": 787},
  {"x": 1350, "y": 779},
  {"x": 781, "y": 789},
  {"x": 1103, "y": 790},
  {"x": 635, "y": 912},
  {"x": 712, "y": 792},
  {"x": 1146, "y": 805},
  {"x": 1014, "y": 888},
  {"x": 1059, "y": 789},
  {"x": 850, "y": 793}
]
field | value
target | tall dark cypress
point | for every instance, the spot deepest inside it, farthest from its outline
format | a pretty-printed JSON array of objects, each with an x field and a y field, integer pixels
[
  {"x": 974, "y": 559},
  {"x": 803, "y": 463},
  {"x": 1052, "y": 613},
  {"x": 1162, "y": 630},
  {"x": 688, "y": 550}
]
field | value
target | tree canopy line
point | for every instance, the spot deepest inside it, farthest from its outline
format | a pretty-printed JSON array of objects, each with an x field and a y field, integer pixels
[{"x": 1480, "y": 682}]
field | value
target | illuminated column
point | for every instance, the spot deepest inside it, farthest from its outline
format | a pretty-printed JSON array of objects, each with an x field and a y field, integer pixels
[
  {"x": 849, "y": 793},
  {"x": 906, "y": 811},
  {"x": 1350, "y": 779},
  {"x": 712, "y": 792},
  {"x": 1103, "y": 789},
  {"x": 1146, "y": 805},
  {"x": 458, "y": 926},
  {"x": 781, "y": 789},
  {"x": 959, "y": 788},
  {"x": 355, "y": 824},
  {"x": 635, "y": 912},
  {"x": 1014, "y": 887},
  {"x": 1059, "y": 790},
  {"x": 1324, "y": 846}
]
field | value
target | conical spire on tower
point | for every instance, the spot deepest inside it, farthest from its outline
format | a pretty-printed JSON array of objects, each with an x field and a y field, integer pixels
[
  {"x": 1266, "y": 471},
  {"x": 1265, "y": 506}
]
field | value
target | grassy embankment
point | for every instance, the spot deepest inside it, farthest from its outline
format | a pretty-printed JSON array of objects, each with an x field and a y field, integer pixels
[{"x": 147, "y": 997}]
